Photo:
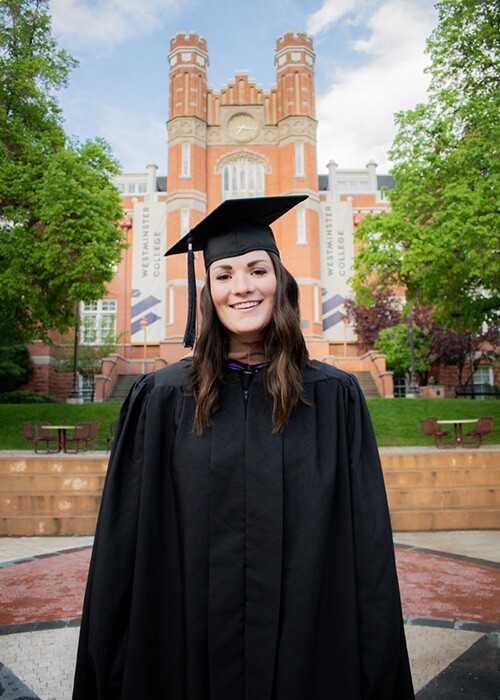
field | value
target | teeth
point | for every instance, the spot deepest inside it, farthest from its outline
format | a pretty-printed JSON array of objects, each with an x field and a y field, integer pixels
[{"x": 245, "y": 305}]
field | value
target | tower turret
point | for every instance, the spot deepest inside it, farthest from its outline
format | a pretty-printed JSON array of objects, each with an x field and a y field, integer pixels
[
  {"x": 295, "y": 74},
  {"x": 188, "y": 60}
]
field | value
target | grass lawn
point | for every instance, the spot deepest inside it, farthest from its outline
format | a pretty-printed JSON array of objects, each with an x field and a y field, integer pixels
[{"x": 396, "y": 421}]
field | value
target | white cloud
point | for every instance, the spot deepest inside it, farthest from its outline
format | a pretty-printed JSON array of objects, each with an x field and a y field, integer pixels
[
  {"x": 333, "y": 10},
  {"x": 107, "y": 22},
  {"x": 136, "y": 138},
  {"x": 356, "y": 116}
]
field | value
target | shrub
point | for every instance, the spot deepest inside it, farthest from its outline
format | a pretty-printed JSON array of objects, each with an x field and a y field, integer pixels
[
  {"x": 15, "y": 367},
  {"x": 25, "y": 397}
]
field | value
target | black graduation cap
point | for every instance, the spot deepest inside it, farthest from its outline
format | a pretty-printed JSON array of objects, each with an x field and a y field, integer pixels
[{"x": 235, "y": 227}]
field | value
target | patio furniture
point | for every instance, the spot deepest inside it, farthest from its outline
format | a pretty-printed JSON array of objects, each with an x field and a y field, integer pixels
[
  {"x": 484, "y": 425},
  {"x": 83, "y": 433},
  {"x": 61, "y": 434},
  {"x": 458, "y": 428},
  {"x": 430, "y": 427},
  {"x": 37, "y": 435}
]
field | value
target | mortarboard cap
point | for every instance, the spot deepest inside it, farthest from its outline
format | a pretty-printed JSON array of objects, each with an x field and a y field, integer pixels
[{"x": 234, "y": 228}]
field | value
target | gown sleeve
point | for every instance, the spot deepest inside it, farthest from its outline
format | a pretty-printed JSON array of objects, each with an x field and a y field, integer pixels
[
  {"x": 384, "y": 656},
  {"x": 104, "y": 627}
]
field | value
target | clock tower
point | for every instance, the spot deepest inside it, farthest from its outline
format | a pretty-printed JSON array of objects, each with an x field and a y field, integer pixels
[{"x": 244, "y": 141}]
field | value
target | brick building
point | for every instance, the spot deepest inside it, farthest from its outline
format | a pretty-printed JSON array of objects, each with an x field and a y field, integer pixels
[{"x": 240, "y": 140}]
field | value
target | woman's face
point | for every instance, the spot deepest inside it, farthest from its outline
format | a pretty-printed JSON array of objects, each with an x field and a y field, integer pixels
[{"x": 242, "y": 290}]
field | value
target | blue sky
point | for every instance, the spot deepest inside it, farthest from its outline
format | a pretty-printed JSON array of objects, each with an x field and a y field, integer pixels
[{"x": 370, "y": 64}]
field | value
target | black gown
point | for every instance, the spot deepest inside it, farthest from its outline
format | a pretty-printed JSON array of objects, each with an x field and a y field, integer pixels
[{"x": 243, "y": 565}]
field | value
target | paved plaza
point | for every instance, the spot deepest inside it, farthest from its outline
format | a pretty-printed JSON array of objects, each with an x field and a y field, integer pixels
[{"x": 450, "y": 586}]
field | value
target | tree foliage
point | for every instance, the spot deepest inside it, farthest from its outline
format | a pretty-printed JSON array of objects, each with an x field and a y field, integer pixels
[
  {"x": 383, "y": 325},
  {"x": 369, "y": 320},
  {"x": 441, "y": 239},
  {"x": 15, "y": 367},
  {"x": 59, "y": 239},
  {"x": 394, "y": 343}
]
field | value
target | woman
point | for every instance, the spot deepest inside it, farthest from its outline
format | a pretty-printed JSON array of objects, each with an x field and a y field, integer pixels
[{"x": 243, "y": 549}]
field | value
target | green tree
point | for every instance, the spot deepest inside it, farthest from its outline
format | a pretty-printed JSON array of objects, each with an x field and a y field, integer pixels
[
  {"x": 59, "y": 239},
  {"x": 15, "y": 367},
  {"x": 441, "y": 239},
  {"x": 394, "y": 343}
]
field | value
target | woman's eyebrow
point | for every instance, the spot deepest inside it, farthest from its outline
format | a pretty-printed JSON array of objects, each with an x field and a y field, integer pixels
[
  {"x": 257, "y": 262},
  {"x": 252, "y": 263}
]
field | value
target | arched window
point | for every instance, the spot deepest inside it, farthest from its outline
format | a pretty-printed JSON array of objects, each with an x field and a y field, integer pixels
[{"x": 243, "y": 177}]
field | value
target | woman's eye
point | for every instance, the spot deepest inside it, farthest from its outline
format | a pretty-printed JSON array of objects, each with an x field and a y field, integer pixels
[
  {"x": 223, "y": 276},
  {"x": 260, "y": 271}
]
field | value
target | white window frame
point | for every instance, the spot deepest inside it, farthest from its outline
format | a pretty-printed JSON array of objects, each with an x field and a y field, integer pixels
[
  {"x": 186, "y": 160},
  {"x": 243, "y": 177},
  {"x": 316, "y": 303},
  {"x": 171, "y": 305},
  {"x": 299, "y": 159},
  {"x": 184, "y": 220},
  {"x": 483, "y": 375},
  {"x": 98, "y": 322},
  {"x": 300, "y": 218}
]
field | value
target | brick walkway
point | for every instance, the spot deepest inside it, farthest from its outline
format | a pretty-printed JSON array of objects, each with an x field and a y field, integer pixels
[{"x": 451, "y": 604}]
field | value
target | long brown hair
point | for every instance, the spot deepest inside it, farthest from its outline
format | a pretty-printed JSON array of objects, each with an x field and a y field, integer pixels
[{"x": 284, "y": 347}]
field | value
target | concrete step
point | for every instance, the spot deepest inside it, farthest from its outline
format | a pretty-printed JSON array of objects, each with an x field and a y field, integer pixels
[
  {"x": 46, "y": 525},
  {"x": 81, "y": 463},
  {"x": 449, "y": 519},
  {"x": 437, "y": 478},
  {"x": 57, "y": 504},
  {"x": 442, "y": 498},
  {"x": 51, "y": 483},
  {"x": 122, "y": 386},
  {"x": 440, "y": 459},
  {"x": 367, "y": 384},
  {"x": 427, "y": 489}
]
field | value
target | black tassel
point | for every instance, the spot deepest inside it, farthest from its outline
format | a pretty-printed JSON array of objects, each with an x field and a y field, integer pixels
[{"x": 190, "y": 332}]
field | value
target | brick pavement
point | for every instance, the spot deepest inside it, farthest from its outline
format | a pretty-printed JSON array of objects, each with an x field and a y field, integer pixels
[{"x": 450, "y": 602}]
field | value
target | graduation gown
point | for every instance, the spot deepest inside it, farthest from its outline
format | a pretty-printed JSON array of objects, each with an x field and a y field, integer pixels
[{"x": 243, "y": 565}]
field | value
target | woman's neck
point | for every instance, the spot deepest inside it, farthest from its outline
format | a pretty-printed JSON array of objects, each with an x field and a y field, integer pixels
[{"x": 249, "y": 352}]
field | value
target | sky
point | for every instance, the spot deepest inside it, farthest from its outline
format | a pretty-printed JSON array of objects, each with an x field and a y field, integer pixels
[{"x": 370, "y": 63}]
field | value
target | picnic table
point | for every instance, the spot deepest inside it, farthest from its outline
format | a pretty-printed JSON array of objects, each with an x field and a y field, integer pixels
[
  {"x": 61, "y": 434},
  {"x": 458, "y": 424}
]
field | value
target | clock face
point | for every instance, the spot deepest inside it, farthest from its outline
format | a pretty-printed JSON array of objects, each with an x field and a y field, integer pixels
[{"x": 242, "y": 127}]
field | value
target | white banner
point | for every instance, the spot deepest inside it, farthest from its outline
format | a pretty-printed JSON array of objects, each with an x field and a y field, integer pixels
[
  {"x": 148, "y": 272},
  {"x": 337, "y": 257}
]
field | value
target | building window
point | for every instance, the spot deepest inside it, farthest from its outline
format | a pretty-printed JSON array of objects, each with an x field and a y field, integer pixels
[
  {"x": 301, "y": 226},
  {"x": 316, "y": 303},
  {"x": 483, "y": 380},
  {"x": 299, "y": 159},
  {"x": 131, "y": 187},
  {"x": 242, "y": 178},
  {"x": 184, "y": 220},
  {"x": 142, "y": 187},
  {"x": 98, "y": 322},
  {"x": 171, "y": 305},
  {"x": 186, "y": 160}
]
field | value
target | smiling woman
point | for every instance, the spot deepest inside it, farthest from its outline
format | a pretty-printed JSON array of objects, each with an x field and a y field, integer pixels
[
  {"x": 244, "y": 548},
  {"x": 242, "y": 290}
]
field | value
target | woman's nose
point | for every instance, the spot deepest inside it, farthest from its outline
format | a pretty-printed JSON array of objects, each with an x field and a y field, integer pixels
[{"x": 242, "y": 284}]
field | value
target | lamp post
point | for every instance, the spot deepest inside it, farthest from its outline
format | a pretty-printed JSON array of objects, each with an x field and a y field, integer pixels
[
  {"x": 75, "y": 394},
  {"x": 345, "y": 320},
  {"x": 413, "y": 391},
  {"x": 144, "y": 325}
]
